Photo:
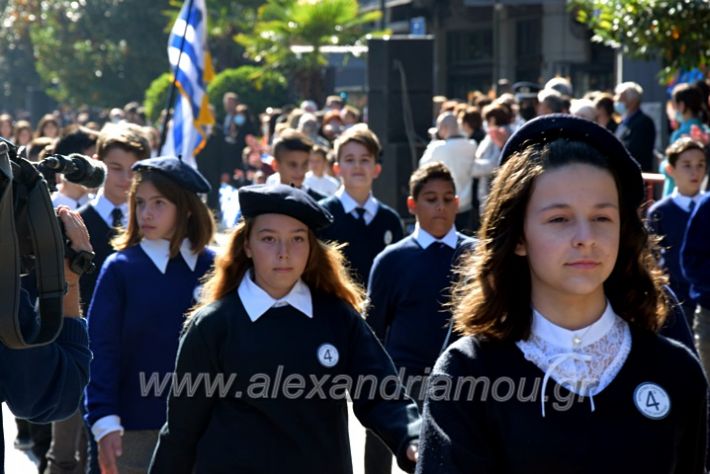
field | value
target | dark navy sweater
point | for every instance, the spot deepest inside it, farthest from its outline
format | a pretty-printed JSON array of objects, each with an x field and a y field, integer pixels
[
  {"x": 270, "y": 419},
  {"x": 669, "y": 221},
  {"x": 44, "y": 384},
  {"x": 490, "y": 420},
  {"x": 695, "y": 253},
  {"x": 100, "y": 234},
  {"x": 135, "y": 319},
  {"x": 408, "y": 288},
  {"x": 364, "y": 241}
]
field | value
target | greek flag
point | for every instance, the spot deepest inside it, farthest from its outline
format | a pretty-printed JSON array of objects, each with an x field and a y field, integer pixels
[{"x": 187, "y": 132}]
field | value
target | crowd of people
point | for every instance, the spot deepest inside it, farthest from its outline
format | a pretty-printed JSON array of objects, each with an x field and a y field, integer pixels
[{"x": 534, "y": 255}]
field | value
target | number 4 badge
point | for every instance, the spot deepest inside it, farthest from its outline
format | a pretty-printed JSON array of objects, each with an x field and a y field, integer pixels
[
  {"x": 328, "y": 355},
  {"x": 652, "y": 401}
]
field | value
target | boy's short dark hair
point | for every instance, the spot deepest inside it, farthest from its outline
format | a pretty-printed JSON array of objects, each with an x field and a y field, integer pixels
[
  {"x": 427, "y": 173},
  {"x": 125, "y": 136},
  {"x": 362, "y": 135},
  {"x": 76, "y": 139},
  {"x": 291, "y": 140},
  {"x": 682, "y": 145},
  {"x": 499, "y": 113}
]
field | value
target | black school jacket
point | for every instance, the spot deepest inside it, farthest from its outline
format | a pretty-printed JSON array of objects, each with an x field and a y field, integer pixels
[{"x": 285, "y": 408}]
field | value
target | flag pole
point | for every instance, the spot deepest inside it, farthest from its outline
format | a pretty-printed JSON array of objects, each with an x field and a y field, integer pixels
[{"x": 173, "y": 88}]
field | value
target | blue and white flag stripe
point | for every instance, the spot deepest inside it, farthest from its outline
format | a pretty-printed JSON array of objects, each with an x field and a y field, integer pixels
[{"x": 191, "y": 116}]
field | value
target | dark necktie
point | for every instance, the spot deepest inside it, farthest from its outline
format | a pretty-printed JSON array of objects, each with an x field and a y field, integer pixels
[
  {"x": 117, "y": 216},
  {"x": 361, "y": 215},
  {"x": 691, "y": 206}
]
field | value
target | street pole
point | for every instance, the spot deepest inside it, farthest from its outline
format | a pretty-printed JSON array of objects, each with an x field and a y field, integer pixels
[{"x": 383, "y": 10}]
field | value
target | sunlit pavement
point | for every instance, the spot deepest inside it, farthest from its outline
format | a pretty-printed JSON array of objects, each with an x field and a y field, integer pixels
[{"x": 18, "y": 462}]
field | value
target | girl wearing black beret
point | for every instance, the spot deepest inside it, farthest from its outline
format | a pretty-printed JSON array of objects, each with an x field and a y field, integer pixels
[
  {"x": 560, "y": 369},
  {"x": 138, "y": 307},
  {"x": 279, "y": 332}
]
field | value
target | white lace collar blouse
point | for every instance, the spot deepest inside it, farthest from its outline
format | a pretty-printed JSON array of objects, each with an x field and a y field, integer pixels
[{"x": 584, "y": 361}]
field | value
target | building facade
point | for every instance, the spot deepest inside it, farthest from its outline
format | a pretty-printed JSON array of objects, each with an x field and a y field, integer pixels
[{"x": 478, "y": 42}]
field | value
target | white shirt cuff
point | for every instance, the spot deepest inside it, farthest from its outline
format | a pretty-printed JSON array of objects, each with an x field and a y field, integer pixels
[{"x": 107, "y": 424}]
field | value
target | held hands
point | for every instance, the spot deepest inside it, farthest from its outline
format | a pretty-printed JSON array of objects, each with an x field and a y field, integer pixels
[{"x": 110, "y": 448}]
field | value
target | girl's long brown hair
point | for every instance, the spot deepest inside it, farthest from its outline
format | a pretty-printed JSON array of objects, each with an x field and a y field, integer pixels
[
  {"x": 325, "y": 271},
  {"x": 491, "y": 298},
  {"x": 194, "y": 219}
]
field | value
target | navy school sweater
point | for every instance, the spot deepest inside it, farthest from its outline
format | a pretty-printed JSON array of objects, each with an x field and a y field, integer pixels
[
  {"x": 270, "y": 418},
  {"x": 669, "y": 221},
  {"x": 492, "y": 423},
  {"x": 100, "y": 235},
  {"x": 695, "y": 253},
  {"x": 407, "y": 290},
  {"x": 135, "y": 319},
  {"x": 364, "y": 241}
]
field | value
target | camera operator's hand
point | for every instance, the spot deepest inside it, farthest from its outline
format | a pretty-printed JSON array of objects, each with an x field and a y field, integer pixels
[
  {"x": 75, "y": 229},
  {"x": 110, "y": 447},
  {"x": 77, "y": 234}
]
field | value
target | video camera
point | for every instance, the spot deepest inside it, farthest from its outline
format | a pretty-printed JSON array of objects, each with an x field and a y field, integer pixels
[{"x": 33, "y": 238}]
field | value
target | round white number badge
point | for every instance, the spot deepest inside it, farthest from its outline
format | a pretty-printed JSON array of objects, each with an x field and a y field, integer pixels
[
  {"x": 652, "y": 401},
  {"x": 328, "y": 355}
]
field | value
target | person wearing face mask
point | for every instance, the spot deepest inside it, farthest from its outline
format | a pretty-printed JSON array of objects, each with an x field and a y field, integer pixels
[
  {"x": 687, "y": 102},
  {"x": 636, "y": 131}
]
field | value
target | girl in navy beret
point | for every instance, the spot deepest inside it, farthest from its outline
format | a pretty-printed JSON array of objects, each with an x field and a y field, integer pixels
[
  {"x": 138, "y": 307},
  {"x": 274, "y": 349},
  {"x": 560, "y": 369}
]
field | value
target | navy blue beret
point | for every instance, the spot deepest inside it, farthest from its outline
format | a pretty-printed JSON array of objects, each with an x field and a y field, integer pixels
[
  {"x": 260, "y": 199},
  {"x": 547, "y": 128},
  {"x": 177, "y": 170}
]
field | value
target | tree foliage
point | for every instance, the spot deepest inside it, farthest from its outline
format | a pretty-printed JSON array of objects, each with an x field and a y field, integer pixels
[
  {"x": 673, "y": 30},
  {"x": 285, "y": 23},
  {"x": 97, "y": 52},
  {"x": 17, "y": 65},
  {"x": 156, "y": 96},
  {"x": 226, "y": 18},
  {"x": 256, "y": 88}
]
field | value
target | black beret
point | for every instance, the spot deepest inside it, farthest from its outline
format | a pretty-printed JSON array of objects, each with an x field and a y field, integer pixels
[
  {"x": 260, "y": 199},
  {"x": 548, "y": 128},
  {"x": 177, "y": 170}
]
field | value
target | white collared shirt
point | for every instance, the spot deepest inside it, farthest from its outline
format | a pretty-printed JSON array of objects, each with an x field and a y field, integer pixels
[
  {"x": 256, "y": 301},
  {"x": 104, "y": 208},
  {"x": 683, "y": 201},
  {"x": 349, "y": 205},
  {"x": 425, "y": 239},
  {"x": 159, "y": 253},
  {"x": 584, "y": 361},
  {"x": 61, "y": 199}
]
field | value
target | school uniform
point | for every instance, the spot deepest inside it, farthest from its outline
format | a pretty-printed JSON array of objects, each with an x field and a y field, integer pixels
[
  {"x": 695, "y": 255},
  {"x": 367, "y": 230},
  {"x": 135, "y": 319},
  {"x": 248, "y": 337},
  {"x": 619, "y": 399},
  {"x": 408, "y": 288},
  {"x": 101, "y": 218},
  {"x": 326, "y": 184},
  {"x": 61, "y": 199},
  {"x": 668, "y": 219},
  {"x": 316, "y": 195}
]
